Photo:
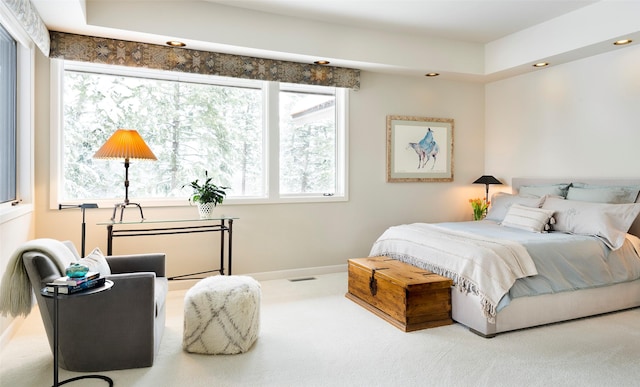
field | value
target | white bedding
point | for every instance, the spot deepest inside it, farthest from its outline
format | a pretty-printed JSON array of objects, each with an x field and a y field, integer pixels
[
  {"x": 600, "y": 281},
  {"x": 480, "y": 264},
  {"x": 551, "y": 263}
]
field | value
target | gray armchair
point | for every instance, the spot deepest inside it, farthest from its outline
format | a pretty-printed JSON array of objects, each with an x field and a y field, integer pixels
[{"x": 116, "y": 329}]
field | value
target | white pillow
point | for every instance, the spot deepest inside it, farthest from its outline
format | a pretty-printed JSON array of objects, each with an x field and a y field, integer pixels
[
  {"x": 500, "y": 203},
  {"x": 527, "y": 218},
  {"x": 610, "y": 222},
  {"x": 96, "y": 262}
]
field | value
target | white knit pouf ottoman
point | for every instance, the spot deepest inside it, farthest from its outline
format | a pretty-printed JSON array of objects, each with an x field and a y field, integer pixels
[{"x": 221, "y": 315}]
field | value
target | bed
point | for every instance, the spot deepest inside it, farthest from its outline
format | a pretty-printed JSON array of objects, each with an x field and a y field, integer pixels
[{"x": 574, "y": 274}]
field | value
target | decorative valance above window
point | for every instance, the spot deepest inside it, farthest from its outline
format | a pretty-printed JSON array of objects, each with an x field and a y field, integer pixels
[
  {"x": 136, "y": 54},
  {"x": 28, "y": 18}
]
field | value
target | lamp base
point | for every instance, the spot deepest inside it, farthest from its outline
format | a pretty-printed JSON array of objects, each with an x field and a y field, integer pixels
[{"x": 122, "y": 206}]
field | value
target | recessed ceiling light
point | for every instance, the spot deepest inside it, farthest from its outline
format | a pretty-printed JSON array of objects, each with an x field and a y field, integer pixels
[
  {"x": 322, "y": 62},
  {"x": 175, "y": 43},
  {"x": 541, "y": 64},
  {"x": 431, "y": 74},
  {"x": 622, "y": 42}
]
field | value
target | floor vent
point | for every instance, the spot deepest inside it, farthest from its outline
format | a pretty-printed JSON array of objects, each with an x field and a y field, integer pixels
[{"x": 302, "y": 279}]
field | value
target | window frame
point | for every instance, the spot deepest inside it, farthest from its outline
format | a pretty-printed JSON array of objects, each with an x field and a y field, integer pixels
[
  {"x": 341, "y": 149},
  {"x": 9, "y": 121},
  {"x": 25, "y": 52},
  {"x": 270, "y": 131}
]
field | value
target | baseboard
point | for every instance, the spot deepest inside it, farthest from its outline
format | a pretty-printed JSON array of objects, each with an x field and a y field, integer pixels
[
  {"x": 272, "y": 275},
  {"x": 296, "y": 273}
]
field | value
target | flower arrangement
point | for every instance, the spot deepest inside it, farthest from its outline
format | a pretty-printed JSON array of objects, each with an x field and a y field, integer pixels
[{"x": 480, "y": 207}]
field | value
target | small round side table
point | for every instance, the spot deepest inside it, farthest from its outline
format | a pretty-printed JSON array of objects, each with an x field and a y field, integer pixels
[{"x": 56, "y": 295}]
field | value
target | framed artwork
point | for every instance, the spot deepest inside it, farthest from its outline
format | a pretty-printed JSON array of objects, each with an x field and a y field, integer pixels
[{"x": 419, "y": 149}]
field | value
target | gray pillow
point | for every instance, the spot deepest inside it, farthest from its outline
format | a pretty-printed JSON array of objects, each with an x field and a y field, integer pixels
[
  {"x": 544, "y": 190},
  {"x": 501, "y": 201},
  {"x": 614, "y": 195}
]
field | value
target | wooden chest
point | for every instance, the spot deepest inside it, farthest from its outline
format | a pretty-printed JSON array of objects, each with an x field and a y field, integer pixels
[{"x": 408, "y": 297}]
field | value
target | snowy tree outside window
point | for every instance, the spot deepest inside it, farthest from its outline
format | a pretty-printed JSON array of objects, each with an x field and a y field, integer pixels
[{"x": 195, "y": 124}]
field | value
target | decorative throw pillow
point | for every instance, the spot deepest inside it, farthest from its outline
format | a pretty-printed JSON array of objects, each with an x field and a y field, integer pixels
[
  {"x": 500, "y": 203},
  {"x": 544, "y": 190},
  {"x": 613, "y": 195},
  {"x": 610, "y": 222},
  {"x": 96, "y": 261},
  {"x": 528, "y": 218}
]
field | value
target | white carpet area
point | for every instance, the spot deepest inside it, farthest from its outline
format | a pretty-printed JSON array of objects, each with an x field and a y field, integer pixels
[{"x": 311, "y": 335}]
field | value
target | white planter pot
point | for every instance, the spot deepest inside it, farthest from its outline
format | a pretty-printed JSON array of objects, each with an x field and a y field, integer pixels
[{"x": 206, "y": 210}]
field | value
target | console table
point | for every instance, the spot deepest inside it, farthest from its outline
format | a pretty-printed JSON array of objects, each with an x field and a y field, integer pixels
[
  {"x": 222, "y": 225},
  {"x": 59, "y": 296}
]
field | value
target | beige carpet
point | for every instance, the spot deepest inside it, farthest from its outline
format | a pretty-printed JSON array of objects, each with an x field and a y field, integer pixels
[{"x": 311, "y": 335}]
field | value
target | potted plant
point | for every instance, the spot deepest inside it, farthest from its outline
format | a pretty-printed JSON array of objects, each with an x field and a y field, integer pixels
[{"x": 206, "y": 195}]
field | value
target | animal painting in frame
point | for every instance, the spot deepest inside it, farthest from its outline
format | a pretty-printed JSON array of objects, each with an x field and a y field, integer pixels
[{"x": 419, "y": 149}]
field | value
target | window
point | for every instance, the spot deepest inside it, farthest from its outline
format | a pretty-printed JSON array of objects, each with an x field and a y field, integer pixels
[
  {"x": 8, "y": 109},
  {"x": 269, "y": 142},
  {"x": 307, "y": 143}
]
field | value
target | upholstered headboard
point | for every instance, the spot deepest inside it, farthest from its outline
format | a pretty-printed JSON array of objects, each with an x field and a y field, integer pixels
[{"x": 517, "y": 182}]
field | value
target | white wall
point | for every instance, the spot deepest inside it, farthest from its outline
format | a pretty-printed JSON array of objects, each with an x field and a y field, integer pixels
[
  {"x": 579, "y": 119},
  {"x": 290, "y": 236},
  {"x": 14, "y": 230},
  {"x": 17, "y": 222}
]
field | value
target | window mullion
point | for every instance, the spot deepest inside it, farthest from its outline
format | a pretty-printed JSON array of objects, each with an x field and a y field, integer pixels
[
  {"x": 342, "y": 142},
  {"x": 272, "y": 153},
  {"x": 57, "y": 133}
]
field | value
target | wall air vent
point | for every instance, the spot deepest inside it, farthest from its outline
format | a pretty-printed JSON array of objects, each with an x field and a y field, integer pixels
[{"x": 302, "y": 279}]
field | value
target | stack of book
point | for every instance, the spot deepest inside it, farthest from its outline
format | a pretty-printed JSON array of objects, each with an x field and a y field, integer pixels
[{"x": 68, "y": 285}]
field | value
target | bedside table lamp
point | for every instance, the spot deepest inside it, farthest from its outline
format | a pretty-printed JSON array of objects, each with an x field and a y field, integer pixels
[
  {"x": 486, "y": 180},
  {"x": 125, "y": 144}
]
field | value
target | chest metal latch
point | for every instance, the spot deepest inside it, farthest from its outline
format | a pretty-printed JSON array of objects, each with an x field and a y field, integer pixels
[{"x": 373, "y": 283}]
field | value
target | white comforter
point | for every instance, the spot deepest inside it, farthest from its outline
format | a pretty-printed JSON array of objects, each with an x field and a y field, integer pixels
[{"x": 484, "y": 266}]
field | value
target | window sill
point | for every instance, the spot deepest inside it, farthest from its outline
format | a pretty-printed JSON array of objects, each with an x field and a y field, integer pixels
[{"x": 229, "y": 201}]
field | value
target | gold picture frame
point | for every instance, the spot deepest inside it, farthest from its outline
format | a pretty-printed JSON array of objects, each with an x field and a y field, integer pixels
[{"x": 419, "y": 149}]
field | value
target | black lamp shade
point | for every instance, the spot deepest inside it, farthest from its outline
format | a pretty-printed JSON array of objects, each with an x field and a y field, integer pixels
[{"x": 487, "y": 179}]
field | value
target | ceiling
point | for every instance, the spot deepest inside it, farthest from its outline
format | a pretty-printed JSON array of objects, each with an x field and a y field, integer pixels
[
  {"x": 479, "y": 21},
  {"x": 473, "y": 39}
]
